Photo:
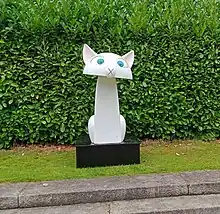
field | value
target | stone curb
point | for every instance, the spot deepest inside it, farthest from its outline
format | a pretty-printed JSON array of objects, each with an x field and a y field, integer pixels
[
  {"x": 69, "y": 192},
  {"x": 194, "y": 204}
]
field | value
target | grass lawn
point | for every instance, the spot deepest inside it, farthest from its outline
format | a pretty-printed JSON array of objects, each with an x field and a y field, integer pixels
[{"x": 36, "y": 164}]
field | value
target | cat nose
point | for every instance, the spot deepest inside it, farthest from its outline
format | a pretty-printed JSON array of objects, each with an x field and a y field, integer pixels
[
  {"x": 111, "y": 72},
  {"x": 111, "y": 69}
]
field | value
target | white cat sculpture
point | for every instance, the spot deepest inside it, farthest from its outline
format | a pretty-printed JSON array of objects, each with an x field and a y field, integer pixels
[{"x": 107, "y": 125}]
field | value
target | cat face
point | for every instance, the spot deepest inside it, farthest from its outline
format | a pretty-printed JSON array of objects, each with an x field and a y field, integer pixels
[{"x": 107, "y": 64}]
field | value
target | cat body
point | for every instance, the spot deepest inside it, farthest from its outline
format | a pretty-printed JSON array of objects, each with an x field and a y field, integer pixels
[{"x": 107, "y": 125}]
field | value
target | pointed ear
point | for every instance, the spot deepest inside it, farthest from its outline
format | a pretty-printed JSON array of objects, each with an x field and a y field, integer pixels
[
  {"x": 129, "y": 58},
  {"x": 88, "y": 53}
]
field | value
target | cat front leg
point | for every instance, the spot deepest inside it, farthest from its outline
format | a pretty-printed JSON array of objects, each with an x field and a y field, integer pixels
[
  {"x": 91, "y": 128},
  {"x": 123, "y": 127}
]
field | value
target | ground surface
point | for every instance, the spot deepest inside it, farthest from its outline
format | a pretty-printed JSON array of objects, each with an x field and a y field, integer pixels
[
  {"x": 205, "y": 204},
  {"x": 35, "y": 163}
]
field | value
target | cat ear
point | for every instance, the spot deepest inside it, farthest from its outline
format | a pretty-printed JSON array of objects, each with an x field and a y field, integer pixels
[
  {"x": 129, "y": 58},
  {"x": 88, "y": 53}
]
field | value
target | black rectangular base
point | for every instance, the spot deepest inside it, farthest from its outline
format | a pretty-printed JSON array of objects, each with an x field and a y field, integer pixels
[{"x": 107, "y": 154}]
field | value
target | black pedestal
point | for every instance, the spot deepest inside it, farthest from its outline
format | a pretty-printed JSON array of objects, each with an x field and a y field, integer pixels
[{"x": 107, "y": 154}]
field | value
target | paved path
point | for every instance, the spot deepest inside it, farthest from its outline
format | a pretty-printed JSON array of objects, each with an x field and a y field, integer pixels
[
  {"x": 78, "y": 193},
  {"x": 206, "y": 204}
]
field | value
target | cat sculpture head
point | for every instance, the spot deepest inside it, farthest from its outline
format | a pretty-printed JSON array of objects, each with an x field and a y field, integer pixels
[{"x": 107, "y": 64}]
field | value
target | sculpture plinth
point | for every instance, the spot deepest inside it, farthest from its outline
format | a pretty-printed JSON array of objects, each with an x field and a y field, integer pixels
[
  {"x": 107, "y": 154},
  {"x": 107, "y": 127}
]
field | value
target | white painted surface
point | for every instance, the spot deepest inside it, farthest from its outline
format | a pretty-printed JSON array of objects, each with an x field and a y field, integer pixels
[
  {"x": 109, "y": 68},
  {"x": 107, "y": 125}
]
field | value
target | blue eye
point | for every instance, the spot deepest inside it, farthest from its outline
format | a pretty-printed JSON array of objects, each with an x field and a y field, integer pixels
[
  {"x": 100, "y": 61},
  {"x": 120, "y": 63}
]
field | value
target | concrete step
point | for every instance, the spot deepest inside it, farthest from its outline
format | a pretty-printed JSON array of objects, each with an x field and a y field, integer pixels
[
  {"x": 200, "y": 204},
  {"x": 98, "y": 190}
]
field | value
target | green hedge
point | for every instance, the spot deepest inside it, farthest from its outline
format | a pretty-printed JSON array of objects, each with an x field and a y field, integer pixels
[{"x": 44, "y": 97}]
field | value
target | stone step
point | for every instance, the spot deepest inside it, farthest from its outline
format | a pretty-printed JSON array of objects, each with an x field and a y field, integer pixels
[
  {"x": 98, "y": 190},
  {"x": 200, "y": 204}
]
